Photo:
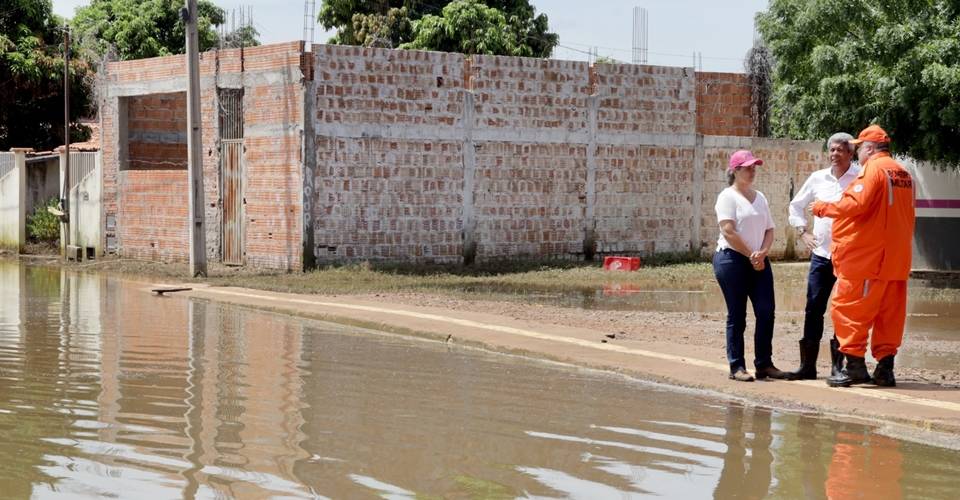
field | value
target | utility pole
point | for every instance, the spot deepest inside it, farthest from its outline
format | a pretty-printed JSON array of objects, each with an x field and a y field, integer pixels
[
  {"x": 65, "y": 202},
  {"x": 198, "y": 247}
]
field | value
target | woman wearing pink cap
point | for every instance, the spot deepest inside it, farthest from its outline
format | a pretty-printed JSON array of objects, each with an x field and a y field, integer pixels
[{"x": 742, "y": 268}]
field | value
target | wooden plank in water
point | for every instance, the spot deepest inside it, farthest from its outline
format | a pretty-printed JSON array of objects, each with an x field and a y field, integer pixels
[{"x": 161, "y": 291}]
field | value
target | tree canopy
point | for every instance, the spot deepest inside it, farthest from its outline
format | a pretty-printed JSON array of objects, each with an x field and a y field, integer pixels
[
  {"x": 844, "y": 64},
  {"x": 504, "y": 27},
  {"x": 31, "y": 77},
  {"x": 137, "y": 29}
]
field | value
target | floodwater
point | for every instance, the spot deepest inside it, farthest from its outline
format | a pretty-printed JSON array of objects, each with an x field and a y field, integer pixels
[{"x": 106, "y": 390}]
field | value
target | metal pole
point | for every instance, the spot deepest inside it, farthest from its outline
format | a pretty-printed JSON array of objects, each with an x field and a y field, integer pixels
[
  {"x": 198, "y": 250},
  {"x": 65, "y": 218}
]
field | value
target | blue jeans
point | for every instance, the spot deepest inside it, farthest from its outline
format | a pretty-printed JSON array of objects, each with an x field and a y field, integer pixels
[
  {"x": 820, "y": 283},
  {"x": 739, "y": 281}
]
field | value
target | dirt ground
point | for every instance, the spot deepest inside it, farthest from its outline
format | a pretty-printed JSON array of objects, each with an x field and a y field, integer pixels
[{"x": 697, "y": 329}]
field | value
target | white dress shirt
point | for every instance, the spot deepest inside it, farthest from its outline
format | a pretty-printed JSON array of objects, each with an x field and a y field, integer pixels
[{"x": 821, "y": 185}]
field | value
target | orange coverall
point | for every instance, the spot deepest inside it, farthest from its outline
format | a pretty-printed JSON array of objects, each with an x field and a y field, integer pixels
[{"x": 872, "y": 249}]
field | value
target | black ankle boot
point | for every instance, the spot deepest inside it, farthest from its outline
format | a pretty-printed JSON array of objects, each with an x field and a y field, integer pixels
[
  {"x": 770, "y": 372},
  {"x": 836, "y": 358},
  {"x": 854, "y": 373},
  {"x": 883, "y": 373},
  {"x": 809, "y": 350}
]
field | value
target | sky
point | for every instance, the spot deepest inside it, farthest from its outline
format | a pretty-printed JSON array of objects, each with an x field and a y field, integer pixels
[{"x": 720, "y": 30}]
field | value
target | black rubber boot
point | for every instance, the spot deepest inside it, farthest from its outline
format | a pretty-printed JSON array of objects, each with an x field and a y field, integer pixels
[
  {"x": 809, "y": 350},
  {"x": 883, "y": 373},
  {"x": 836, "y": 358},
  {"x": 770, "y": 372},
  {"x": 854, "y": 373}
]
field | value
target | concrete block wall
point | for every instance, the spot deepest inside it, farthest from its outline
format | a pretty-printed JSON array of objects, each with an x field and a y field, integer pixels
[
  {"x": 13, "y": 199},
  {"x": 134, "y": 133}
]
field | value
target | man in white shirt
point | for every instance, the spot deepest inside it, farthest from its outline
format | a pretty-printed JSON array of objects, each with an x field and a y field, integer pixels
[{"x": 827, "y": 185}]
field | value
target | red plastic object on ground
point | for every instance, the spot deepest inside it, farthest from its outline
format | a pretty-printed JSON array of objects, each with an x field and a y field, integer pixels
[{"x": 613, "y": 263}]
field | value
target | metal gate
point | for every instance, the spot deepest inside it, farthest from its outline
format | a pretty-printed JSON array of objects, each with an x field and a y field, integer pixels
[{"x": 232, "y": 174}]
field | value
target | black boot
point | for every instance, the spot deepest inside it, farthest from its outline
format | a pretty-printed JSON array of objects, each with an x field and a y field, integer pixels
[
  {"x": 809, "y": 350},
  {"x": 883, "y": 373},
  {"x": 836, "y": 358},
  {"x": 770, "y": 372},
  {"x": 854, "y": 373}
]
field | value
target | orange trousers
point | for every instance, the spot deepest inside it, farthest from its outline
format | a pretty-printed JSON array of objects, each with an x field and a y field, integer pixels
[{"x": 859, "y": 305}]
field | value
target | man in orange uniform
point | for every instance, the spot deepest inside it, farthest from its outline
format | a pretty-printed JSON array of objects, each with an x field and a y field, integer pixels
[{"x": 872, "y": 246}]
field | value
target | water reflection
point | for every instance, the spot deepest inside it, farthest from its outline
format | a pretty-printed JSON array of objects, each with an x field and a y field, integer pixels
[
  {"x": 746, "y": 476},
  {"x": 108, "y": 391}
]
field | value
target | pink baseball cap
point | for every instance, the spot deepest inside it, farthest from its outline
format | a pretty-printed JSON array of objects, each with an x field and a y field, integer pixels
[{"x": 743, "y": 158}]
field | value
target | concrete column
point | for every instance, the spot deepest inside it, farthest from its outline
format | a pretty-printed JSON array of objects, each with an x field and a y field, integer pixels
[
  {"x": 790, "y": 252},
  {"x": 696, "y": 223},
  {"x": 309, "y": 155},
  {"x": 589, "y": 219},
  {"x": 469, "y": 172}
]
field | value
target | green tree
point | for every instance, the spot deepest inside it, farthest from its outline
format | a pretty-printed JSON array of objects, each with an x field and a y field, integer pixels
[
  {"x": 136, "y": 29},
  {"x": 843, "y": 64},
  {"x": 427, "y": 25},
  {"x": 31, "y": 77}
]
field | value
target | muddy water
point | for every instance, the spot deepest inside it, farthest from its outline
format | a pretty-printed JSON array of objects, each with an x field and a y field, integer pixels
[{"x": 106, "y": 390}]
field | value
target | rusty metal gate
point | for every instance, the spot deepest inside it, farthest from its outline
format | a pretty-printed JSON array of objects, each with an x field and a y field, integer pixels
[{"x": 232, "y": 174}]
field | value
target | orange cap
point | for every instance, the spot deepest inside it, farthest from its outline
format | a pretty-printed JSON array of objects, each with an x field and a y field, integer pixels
[{"x": 873, "y": 133}]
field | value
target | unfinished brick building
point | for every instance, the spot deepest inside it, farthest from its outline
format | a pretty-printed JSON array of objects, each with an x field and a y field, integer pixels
[{"x": 348, "y": 153}]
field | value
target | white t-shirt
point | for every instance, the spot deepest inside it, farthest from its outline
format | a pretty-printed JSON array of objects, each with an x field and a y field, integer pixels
[{"x": 751, "y": 219}]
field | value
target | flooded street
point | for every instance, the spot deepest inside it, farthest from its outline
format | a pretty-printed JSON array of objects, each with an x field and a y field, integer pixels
[{"x": 106, "y": 390}]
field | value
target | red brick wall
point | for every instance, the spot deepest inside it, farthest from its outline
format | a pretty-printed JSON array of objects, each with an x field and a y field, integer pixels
[
  {"x": 536, "y": 129},
  {"x": 529, "y": 195},
  {"x": 388, "y": 184},
  {"x": 412, "y": 147},
  {"x": 517, "y": 95},
  {"x": 530, "y": 199},
  {"x": 645, "y": 99},
  {"x": 273, "y": 113},
  {"x": 153, "y": 215},
  {"x": 388, "y": 199},
  {"x": 644, "y": 199},
  {"x": 157, "y": 125},
  {"x": 723, "y": 104}
]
